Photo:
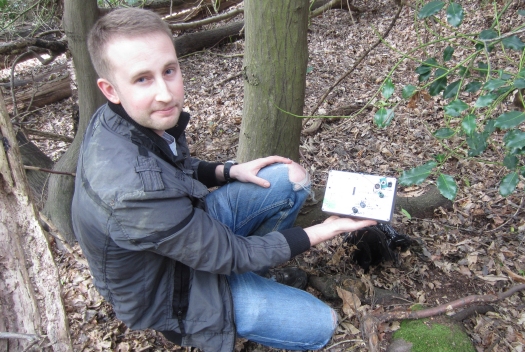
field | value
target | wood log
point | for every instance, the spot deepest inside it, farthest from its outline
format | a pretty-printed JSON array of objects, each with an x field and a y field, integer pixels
[
  {"x": 47, "y": 93},
  {"x": 30, "y": 286},
  {"x": 422, "y": 206},
  {"x": 192, "y": 42}
]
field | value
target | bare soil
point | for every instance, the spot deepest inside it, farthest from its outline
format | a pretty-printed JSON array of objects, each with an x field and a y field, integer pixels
[{"x": 476, "y": 249}]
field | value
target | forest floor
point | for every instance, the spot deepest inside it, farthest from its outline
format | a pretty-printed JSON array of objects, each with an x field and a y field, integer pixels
[{"x": 476, "y": 248}]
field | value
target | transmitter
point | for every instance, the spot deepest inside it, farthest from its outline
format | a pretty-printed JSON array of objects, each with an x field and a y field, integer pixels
[{"x": 360, "y": 195}]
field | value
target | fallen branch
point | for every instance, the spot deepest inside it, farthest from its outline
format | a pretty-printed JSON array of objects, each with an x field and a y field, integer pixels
[
  {"x": 14, "y": 335},
  {"x": 318, "y": 123},
  {"x": 54, "y": 136},
  {"x": 214, "y": 19},
  {"x": 34, "y": 168},
  {"x": 370, "y": 323}
]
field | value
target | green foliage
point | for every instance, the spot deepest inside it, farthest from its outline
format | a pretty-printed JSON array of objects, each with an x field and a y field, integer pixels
[
  {"x": 474, "y": 86},
  {"x": 41, "y": 13}
]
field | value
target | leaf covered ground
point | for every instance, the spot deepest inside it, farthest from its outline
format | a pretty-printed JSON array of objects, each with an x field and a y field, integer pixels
[{"x": 476, "y": 248}]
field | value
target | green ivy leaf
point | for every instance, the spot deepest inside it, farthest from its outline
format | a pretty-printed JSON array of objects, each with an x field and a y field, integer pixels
[
  {"x": 513, "y": 43},
  {"x": 473, "y": 87},
  {"x": 519, "y": 83},
  {"x": 440, "y": 158},
  {"x": 490, "y": 127},
  {"x": 444, "y": 133},
  {"x": 451, "y": 90},
  {"x": 388, "y": 89},
  {"x": 514, "y": 139},
  {"x": 417, "y": 175},
  {"x": 406, "y": 213},
  {"x": 408, "y": 91},
  {"x": 485, "y": 100},
  {"x": 464, "y": 71},
  {"x": 486, "y": 35},
  {"x": 521, "y": 12},
  {"x": 455, "y": 108},
  {"x": 477, "y": 143},
  {"x": 494, "y": 84},
  {"x": 483, "y": 68},
  {"x": 383, "y": 117},
  {"x": 430, "y": 9},
  {"x": 447, "y": 53},
  {"x": 455, "y": 14},
  {"x": 510, "y": 119},
  {"x": 437, "y": 86},
  {"x": 510, "y": 161},
  {"x": 425, "y": 69},
  {"x": 447, "y": 186},
  {"x": 508, "y": 184},
  {"x": 469, "y": 124}
]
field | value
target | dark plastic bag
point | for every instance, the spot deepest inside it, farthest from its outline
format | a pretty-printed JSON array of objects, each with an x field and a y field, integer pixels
[{"x": 376, "y": 244}]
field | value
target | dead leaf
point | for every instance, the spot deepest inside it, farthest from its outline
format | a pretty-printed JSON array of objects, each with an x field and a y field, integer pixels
[
  {"x": 465, "y": 271},
  {"x": 350, "y": 302}
]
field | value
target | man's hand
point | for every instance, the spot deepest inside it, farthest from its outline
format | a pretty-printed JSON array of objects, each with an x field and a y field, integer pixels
[
  {"x": 247, "y": 172},
  {"x": 334, "y": 226}
]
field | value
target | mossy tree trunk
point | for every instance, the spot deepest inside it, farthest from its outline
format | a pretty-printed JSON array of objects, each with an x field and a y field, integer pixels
[
  {"x": 79, "y": 17},
  {"x": 275, "y": 59}
]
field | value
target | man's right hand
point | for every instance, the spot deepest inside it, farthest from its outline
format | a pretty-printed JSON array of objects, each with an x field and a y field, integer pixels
[{"x": 334, "y": 226}]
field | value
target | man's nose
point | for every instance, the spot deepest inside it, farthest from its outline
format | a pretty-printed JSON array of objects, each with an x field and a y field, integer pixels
[{"x": 163, "y": 92}]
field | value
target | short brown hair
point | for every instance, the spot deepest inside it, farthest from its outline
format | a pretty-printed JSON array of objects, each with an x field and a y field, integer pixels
[{"x": 127, "y": 22}]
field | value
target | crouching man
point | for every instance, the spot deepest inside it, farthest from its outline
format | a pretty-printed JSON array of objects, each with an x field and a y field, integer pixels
[{"x": 164, "y": 251}]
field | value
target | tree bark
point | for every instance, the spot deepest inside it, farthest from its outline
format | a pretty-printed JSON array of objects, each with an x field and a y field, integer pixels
[
  {"x": 274, "y": 72},
  {"x": 79, "y": 17},
  {"x": 30, "y": 294}
]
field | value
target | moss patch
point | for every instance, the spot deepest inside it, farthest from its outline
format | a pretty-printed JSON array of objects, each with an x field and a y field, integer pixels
[{"x": 439, "y": 335}]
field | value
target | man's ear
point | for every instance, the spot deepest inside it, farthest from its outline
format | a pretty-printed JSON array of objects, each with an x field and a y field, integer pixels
[{"x": 108, "y": 90}]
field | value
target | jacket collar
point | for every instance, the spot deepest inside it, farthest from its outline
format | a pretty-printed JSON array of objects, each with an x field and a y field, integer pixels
[{"x": 154, "y": 139}]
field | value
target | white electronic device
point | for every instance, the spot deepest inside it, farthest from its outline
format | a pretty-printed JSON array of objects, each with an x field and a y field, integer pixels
[{"x": 360, "y": 195}]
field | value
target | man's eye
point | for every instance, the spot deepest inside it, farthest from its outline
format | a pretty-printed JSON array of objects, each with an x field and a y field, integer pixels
[
  {"x": 170, "y": 71},
  {"x": 141, "y": 80}
]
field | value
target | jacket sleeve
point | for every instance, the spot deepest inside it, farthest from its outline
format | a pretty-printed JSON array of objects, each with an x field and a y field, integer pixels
[{"x": 168, "y": 224}]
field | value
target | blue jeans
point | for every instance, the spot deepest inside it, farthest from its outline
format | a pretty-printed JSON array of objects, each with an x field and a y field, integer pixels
[{"x": 267, "y": 312}]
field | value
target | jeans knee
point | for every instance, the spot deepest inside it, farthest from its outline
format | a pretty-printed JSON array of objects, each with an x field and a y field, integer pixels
[{"x": 298, "y": 176}]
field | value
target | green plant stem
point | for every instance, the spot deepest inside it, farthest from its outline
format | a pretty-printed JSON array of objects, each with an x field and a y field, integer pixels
[{"x": 20, "y": 15}]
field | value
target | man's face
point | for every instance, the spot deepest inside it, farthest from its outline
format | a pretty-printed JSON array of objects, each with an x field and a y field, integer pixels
[{"x": 146, "y": 79}]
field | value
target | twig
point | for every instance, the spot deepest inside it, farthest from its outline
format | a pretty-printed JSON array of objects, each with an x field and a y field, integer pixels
[
  {"x": 54, "y": 136},
  {"x": 13, "y": 97},
  {"x": 194, "y": 24},
  {"x": 56, "y": 234},
  {"x": 34, "y": 168},
  {"x": 15, "y": 335},
  {"x": 509, "y": 219},
  {"x": 325, "y": 7},
  {"x": 341, "y": 342},
  {"x": 359, "y": 60},
  {"x": 227, "y": 79}
]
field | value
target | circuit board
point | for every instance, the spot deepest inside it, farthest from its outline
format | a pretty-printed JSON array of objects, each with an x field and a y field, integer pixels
[{"x": 360, "y": 195}]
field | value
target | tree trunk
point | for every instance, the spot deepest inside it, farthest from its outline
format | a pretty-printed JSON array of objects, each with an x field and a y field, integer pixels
[
  {"x": 79, "y": 17},
  {"x": 275, "y": 60},
  {"x": 30, "y": 286}
]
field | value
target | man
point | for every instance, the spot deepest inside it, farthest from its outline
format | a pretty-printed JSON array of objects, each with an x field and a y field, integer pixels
[{"x": 166, "y": 253}]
